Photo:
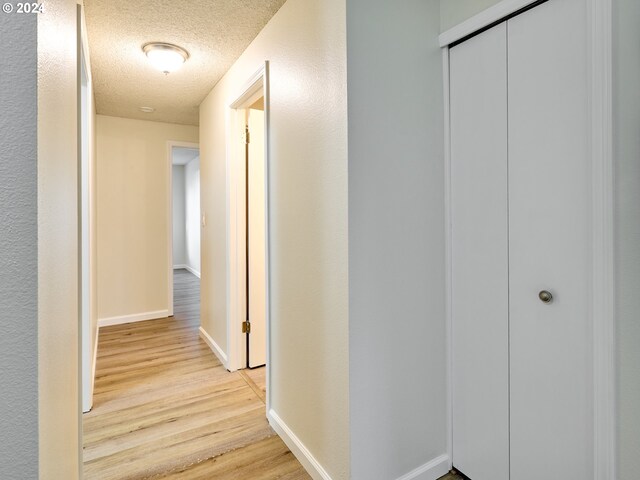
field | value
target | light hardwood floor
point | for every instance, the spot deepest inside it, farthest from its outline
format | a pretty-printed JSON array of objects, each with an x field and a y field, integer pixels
[{"x": 164, "y": 407}]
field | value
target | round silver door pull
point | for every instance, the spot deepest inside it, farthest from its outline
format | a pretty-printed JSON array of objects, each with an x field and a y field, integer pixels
[{"x": 545, "y": 296}]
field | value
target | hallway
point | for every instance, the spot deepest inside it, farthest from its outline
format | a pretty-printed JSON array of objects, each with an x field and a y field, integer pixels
[{"x": 164, "y": 406}]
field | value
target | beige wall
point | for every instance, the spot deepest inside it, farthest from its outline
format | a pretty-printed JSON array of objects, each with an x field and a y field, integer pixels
[
  {"x": 305, "y": 43},
  {"x": 453, "y": 12},
  {"x": 132, "y": 202},
  {"x": 58, "y": 339}
]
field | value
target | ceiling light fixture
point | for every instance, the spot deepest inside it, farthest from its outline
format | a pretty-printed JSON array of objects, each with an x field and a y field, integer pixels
[
  {"x": 165, "y": 56},
  {"x": 147, "y": 109}
]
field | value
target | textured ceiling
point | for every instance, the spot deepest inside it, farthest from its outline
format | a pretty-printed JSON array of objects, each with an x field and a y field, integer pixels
[{"x": 214, "y": 32}]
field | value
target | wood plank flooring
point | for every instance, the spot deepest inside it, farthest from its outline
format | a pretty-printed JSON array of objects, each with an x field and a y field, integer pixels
[
  {"x": 164, "y": 407},
  {"x": 256, "y": 379}
]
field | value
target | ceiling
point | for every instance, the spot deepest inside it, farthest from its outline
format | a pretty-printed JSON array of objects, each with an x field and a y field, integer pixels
[
  {"x": 214, "y": 32},
  {"x": 183, "y": 155}
]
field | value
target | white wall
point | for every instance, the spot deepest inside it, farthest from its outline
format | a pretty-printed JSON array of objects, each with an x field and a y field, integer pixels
[
  {"x": 306, "y": 46},
  {"x": 179, "y": 246},
  {"x": 627, "y": 231},
  {"x": 192, "y": 215},
  {"x": 18, "y": 247},
  {"x": 58, "y": 250},
  {"x": 133, "y": 201},
  {"x": 396, "y": 239}
]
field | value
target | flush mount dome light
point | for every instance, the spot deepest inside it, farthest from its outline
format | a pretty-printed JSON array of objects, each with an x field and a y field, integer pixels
[{"x": 165, "y": 56}]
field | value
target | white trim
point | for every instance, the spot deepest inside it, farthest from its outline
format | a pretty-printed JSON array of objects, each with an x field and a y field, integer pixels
[
  {"x": 267, "y": 263},
  {"x": 602, "y": 216},
  {"x": 232, "y": 256},
  {"x": 301, "y": 452},
  {"x": 137, "y": 317},
  {"x": 252, "y": 86},
  {"x": 187, "y": 268},
  {"x": 235, "y": 246},
  {"x": 169, "y": 217},
  {"x": 215, "y": 348},
  {"x": 95, "y": 360},
  {"x": 448, "y": 258},
  {"x": 481, "y": 20},
  {"x": 85, "y": 208},
  {"x": 258, "y": 82},
  {"x": 192, "y": 270},
  {"x": 432, "y": 470}
]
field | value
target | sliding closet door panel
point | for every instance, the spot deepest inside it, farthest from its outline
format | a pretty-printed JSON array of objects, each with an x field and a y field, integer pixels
[
  {"x": 479, "y": 276},
  {"x": 551, "y": 407}
]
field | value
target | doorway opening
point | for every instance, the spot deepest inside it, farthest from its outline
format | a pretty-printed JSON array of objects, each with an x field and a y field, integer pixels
[
  {"x": 254, "y": 326},
  {"x": 248, "y": 323},
  {"x": 184, "y": 215}
]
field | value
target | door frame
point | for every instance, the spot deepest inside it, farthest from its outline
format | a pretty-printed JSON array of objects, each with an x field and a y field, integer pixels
[
  {"x": 86, "y": 203},
  {"x": 236, "y": 305},
  {"x": 602, "y": 314},
  {"x": 169, "y": 164}
]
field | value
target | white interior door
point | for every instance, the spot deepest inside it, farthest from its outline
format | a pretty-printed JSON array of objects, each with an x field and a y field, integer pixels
[
  {"x": 257, "y": 240},
  {"x": 549, "y": 178},
  {"x": 479, "y": 276}
]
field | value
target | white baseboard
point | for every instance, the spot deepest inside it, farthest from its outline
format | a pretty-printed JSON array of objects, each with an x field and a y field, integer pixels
[
  {"x": 192, "y": 270},
  {"x": 215, "y": 348},
  {"x": 432, "y": 470},
  {"x": 187, "y": 268},
  {"x": 137, "y": 317},
  {"x": 301, "y": 452}
]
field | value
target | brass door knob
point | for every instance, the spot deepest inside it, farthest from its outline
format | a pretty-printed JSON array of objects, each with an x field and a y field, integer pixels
[{"x": 545, "y": 296}]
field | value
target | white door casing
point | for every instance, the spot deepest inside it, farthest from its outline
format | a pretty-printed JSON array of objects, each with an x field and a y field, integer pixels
[
  {"x": 256, "y": 86},
  {"x": 86, "y": 176},
  {"x": 171, "y": 144}
]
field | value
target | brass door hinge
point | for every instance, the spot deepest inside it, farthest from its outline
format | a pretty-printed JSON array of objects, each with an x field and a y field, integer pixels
[
  {"x": 246, "y": 136},
  {"x": 246, "y": 327}
]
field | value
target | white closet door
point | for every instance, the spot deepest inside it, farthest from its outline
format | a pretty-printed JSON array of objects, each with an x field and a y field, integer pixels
[
  {"x": 479, "y": 235},
  {"x": 551, "y": 407}
]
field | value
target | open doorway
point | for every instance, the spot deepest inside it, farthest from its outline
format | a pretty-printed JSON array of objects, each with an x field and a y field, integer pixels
[
  {"x": 249, "y": 266},
  {"x": 185, "y": 172},
  {"x": 255, "y": 328},
  {"x": 184, "y": 218}
]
